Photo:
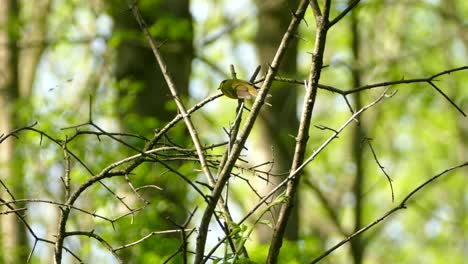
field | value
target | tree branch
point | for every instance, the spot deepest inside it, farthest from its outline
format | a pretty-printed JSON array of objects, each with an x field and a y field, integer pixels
[
  {"x": 173, "y": 90},
  {"x": 239, "y": 143},
  {"x": 402, "y": 205},
  {"x": 303, "y": 131},
  {"x": 343, "y": 14}
]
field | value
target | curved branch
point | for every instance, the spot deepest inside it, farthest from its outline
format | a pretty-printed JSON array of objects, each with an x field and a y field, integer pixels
[{"x": 402, "y": 205}]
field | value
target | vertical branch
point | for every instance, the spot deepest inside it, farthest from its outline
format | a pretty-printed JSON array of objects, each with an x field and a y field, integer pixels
[
  {"x": 180, "y": 106},
  {"x": 357, "y": 247},
  {"x": 64, "y": 210},
  {"x": 66, "y": 175},
  {"x": 239, "y": 143},
  {"x": 232, "y": 137},
  {"x": 233, "y": 71},
  {"x": 280, "y": 120},
  {"x": 64, "y": 214},
  {"x": 322, "y": 24},
  {"x": 172, "y": 87},
  {"x": 303, "y": 132}
]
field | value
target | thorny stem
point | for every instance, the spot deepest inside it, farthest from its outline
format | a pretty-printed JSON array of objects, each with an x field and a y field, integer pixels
[
  {"x": 239, "y": 143},
  {"x": 303, "y": 132}
]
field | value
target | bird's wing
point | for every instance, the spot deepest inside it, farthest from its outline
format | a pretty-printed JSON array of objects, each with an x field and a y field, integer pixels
[{"x": 243, "y": 91}]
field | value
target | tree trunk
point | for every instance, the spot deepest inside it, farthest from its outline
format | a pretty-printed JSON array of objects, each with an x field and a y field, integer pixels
[
  {"x": 32, "y": 44},
  {"x": 141, "y": 82},
  {"x": 280, "y": 121},
  {"x": 136, "y": 69},
  {"x": 14, "y": 246},
  {"x": 357, "y": 246}
]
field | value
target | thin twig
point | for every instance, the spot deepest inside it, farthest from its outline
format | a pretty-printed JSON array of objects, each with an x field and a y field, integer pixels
[
  {"x": 429, "y": 80},
  {"x": 173, "y": 90},
  {"x": 150, "y": 235},
  {"x": 382, "y": 168},
  {"x": 311, "y": 157},
  {"x": 343, "y": 13},
  {"x": 402, "y": 205},
  {"x": 98, "y": 238}
]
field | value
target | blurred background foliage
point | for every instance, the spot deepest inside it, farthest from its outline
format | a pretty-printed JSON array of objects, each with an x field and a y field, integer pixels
[{"x": 73, "y": 50}]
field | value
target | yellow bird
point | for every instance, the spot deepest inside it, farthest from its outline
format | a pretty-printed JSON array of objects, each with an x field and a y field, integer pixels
[{"x": 239, "y": 89}]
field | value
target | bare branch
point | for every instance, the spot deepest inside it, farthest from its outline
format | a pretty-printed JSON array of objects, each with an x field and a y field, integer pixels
[
  {"x": 238, "y": 145},
  {"x": 343, "y": 13},
  {"x": 329, "y": 207},
  {"x": 446, "y": 97},
  {"x": 303, "y": 131},
  {"x": 152, "y": 234},
  {"x": 382, "y": 168},
  {"x": 173, "y": 89},
  {"x": 316, "y": 9},
  {"x": 312, "y": 156},
  {"x": 98, "y": 238},
  {"x": 294, "y": 174},
  {"x": 429, "y": 80},
  {"x": 387, "y": 214}
]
